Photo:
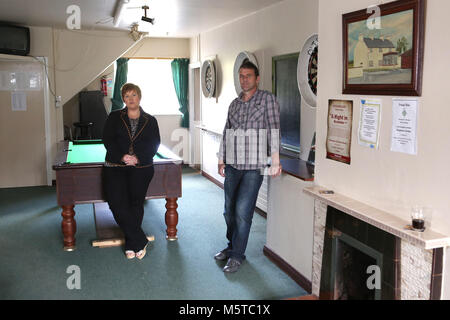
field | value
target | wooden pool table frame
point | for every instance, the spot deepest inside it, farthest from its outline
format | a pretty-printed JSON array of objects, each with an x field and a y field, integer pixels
[{"x": 82, "y": 183}]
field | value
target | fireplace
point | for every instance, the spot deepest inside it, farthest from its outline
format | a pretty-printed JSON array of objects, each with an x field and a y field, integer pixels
[
  {"x": 359, "y": 261},
  {"x": 350, "y": 235}
]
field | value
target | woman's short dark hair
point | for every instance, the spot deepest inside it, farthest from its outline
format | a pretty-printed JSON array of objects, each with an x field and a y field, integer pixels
[
  {"x": 247, "y": 64},
  {"x": 130, "y": 87}
]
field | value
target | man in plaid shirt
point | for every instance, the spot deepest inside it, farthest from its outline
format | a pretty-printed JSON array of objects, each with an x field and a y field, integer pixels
[{"x": 250, "y": 142}]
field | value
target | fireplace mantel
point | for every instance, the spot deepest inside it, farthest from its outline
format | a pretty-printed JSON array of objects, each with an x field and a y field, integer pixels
[{"x": 427, "y": 240}]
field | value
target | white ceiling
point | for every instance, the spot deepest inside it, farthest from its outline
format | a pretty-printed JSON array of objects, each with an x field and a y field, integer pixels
[{"x": 173, "y": 18}]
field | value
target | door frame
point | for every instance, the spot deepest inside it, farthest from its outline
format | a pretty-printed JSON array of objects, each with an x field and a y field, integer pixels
[
  {"x": 48, "y": 144},
  {"x": 193, "y": 125}
]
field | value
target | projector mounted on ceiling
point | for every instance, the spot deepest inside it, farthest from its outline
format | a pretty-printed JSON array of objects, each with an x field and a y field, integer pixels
[
  {"x": 122, "y": 5},
  {"x": 145, "y": 18}
]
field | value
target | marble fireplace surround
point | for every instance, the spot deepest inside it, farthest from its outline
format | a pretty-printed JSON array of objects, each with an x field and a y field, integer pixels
[{"x": 421, "y": 252}]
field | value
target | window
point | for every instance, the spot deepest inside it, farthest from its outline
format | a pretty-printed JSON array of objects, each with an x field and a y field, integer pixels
[{"x": 154, "y": 77}]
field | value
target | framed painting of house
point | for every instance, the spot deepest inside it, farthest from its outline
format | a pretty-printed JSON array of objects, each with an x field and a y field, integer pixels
[{"x": 383, "y": 49}]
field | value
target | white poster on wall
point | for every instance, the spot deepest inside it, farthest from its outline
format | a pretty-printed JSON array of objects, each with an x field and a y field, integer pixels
[
  {"x": 369, "y": 123},
  {"x": 18, "y": 101},
  {"x": 20, "y": 81},
  {"x": 404, "y": 126}
]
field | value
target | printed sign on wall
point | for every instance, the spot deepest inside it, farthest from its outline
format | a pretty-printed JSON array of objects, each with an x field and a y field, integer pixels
[{"x": 339, "y": 136}]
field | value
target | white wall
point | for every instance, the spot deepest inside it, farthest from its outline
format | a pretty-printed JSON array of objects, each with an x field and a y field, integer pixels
[
  {"x": 290, "y": 222},
  {"x": 387, "y": 180},
  {"x": 160, "y": 48}
]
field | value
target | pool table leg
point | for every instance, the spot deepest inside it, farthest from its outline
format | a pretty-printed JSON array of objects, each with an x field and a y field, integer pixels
[
  {"x": 69, "y": 227},
  {"x": 171, "y": 218}
]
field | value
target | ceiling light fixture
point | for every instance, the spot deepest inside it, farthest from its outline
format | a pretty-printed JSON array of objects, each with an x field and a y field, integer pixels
[
  {"x": 121, "y": 6},
  {"x": 135, "y": 33}
]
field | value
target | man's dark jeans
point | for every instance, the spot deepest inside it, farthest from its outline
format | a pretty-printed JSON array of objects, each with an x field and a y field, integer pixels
[{"x": 241, "y": 192}]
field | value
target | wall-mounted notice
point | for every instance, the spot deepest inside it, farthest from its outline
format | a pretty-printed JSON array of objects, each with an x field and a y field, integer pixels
[
  {"x": 18, "y": 101},
  {"x": 404, "y": 126},
  {"x": 20, "y": 80},
  {"x": 339, "y": 136},
  {"x": 369, "y": 123}
]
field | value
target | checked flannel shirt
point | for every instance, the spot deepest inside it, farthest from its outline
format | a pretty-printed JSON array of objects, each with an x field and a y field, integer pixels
[{"x": 252, "y": 131}]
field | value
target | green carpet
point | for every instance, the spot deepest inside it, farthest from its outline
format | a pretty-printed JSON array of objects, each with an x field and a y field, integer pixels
[{"x": 33, "y": 264}]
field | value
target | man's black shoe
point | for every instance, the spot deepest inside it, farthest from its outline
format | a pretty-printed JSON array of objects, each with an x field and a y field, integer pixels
[
  {"x": 221, "y": 255},
  {"x": 231, "y": 266}
]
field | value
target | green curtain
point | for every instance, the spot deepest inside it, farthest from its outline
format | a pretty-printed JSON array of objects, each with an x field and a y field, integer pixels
[
  {"x": 180, "y": 72},
  {"x": 121, "y": 79}
]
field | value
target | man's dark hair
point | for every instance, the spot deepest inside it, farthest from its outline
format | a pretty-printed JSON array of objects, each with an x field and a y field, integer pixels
[{"x": 247, "y": 64}]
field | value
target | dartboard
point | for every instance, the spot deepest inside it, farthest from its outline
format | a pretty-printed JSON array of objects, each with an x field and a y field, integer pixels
[
  {"x": 208, "y": 79},
  {"x": 307, "y": 70},
  {"x": 312, "y": 71}
]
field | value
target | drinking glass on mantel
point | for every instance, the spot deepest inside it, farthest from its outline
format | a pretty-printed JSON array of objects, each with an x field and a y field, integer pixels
[{"x": 420, "y": 216}]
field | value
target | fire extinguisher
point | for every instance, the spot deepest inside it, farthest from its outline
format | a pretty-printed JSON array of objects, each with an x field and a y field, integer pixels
[{"x": 104, "y": 87}]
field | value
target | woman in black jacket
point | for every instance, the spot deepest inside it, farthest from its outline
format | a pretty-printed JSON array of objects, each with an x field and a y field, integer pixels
[{"x": 131, "y": 138}]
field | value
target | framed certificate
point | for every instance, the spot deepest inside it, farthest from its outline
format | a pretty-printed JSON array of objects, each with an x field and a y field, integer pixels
[{"x": 339, "y": 136}]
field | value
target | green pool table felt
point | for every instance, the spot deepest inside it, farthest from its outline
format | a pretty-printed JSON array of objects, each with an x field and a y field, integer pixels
[{"x": 90, "y": 153}]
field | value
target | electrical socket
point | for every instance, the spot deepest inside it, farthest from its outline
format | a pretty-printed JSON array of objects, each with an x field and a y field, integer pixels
[{"x": 58, "y": 101}]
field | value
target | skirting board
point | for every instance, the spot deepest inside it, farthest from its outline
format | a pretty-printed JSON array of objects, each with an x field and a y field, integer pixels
[{"x": 288, "y": 269}]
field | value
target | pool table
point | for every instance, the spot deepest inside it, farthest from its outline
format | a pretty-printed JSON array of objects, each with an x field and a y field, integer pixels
[{"x": 78, "y": 166}]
